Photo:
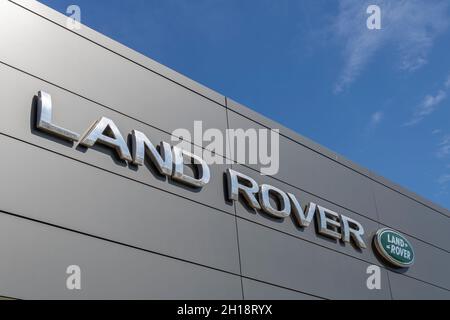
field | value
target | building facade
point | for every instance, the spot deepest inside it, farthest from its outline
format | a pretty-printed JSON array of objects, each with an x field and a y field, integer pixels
[{"x": 137, "y": 234}]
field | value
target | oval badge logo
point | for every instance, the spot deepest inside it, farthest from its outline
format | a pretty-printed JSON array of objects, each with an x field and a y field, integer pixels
[{"x": 394, "y": 247}]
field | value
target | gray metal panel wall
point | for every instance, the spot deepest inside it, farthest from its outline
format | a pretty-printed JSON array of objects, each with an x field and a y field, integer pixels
[{"x": 137, "y": 235}]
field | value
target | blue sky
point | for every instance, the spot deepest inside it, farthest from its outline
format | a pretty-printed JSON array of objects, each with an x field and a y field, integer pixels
[{"x": 379, "y": 97}]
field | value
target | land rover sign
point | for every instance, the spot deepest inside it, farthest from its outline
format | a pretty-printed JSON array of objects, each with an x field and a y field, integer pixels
[{"x": 394, "y": 247}]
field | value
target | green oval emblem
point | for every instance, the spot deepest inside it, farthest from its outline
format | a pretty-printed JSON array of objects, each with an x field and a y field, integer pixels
[{"x": 394, "y": 247}]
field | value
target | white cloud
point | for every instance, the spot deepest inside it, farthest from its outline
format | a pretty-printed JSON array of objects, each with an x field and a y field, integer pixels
[
  {"x": 444, "y": 151},
  {"x": 427, "y": 107},
  {"x": 410, "y": 26},
  {"x": 447, "y": 83},
  {"x": 429, "y": 104},
  {"x": 376, "y": 118},
  {"x": 444, "y": 179},
  {"x": 444, "y": 147}
]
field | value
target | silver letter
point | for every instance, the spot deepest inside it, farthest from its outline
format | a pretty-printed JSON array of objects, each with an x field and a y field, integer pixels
[
  {"x": 299, "y": 214},
  {"x": 325, "y": 222},
  {"x": 44, "y": 119},
  {"x": 96, "y": 134},
  {"x": 142, "y": 145},
  {"x": 264, "y": 199},
  {"x": 234, "y": 187},
  {"x": 348, "y": 231},
  {"x": 178, "y": 174}
]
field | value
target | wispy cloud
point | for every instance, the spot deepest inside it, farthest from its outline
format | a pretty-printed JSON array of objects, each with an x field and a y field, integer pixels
[
  {"x": 447, "y": 83},
  {"x": 429, "y": 104},
  {"x": 443, "y": 152},
  {"x": 411, "y": 26},
  {"x": 443, "y": 185},
  {"x": 444, "y": 179},
  {"x": 444, "y": 147},
  {"x": 376, "y": 118}
]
